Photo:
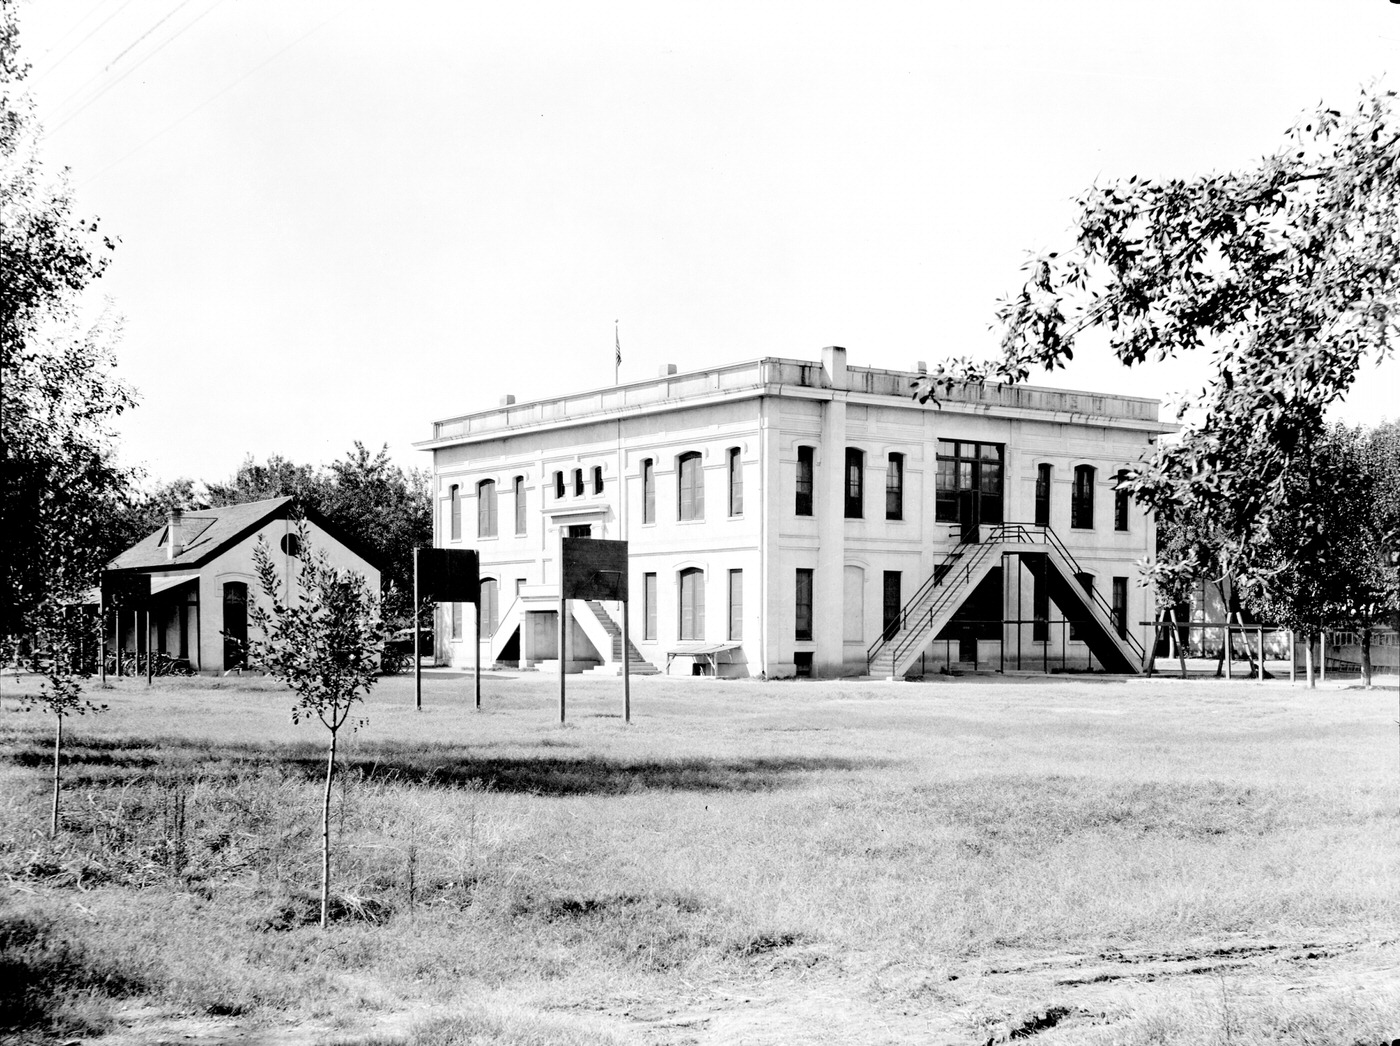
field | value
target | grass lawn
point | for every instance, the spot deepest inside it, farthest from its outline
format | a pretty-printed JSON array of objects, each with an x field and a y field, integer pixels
[{"x": 1074, "y": 859}]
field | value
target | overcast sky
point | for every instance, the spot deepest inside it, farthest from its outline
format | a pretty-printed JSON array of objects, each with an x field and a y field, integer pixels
[{"x": 343, "y": 220}]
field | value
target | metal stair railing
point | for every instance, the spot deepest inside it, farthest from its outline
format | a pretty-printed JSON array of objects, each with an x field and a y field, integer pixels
[
  {"x": 1022, "y": 533},
  {"x": 942, "y": 586},
  {"x": 912, "y": 622}
]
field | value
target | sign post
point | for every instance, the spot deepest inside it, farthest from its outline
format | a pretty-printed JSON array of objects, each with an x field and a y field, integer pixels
[
  {"x": 593, "y": 569},
  {"x": 445, "y": 575}
]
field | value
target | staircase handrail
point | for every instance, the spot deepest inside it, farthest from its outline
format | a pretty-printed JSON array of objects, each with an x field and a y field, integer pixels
[
  {"x": 934, "y": 579},
  {"x": 913, "y": 631},
  {"x": 1022, "y": 532}
]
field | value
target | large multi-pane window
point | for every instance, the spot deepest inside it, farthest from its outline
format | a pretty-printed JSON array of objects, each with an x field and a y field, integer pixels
[
  {"x": 1042, "y": 495},
  {"x": 690, "y": 487},
  {"x": 855, "y": 483},
  {"x": 736, "y": 483},
  {"x": 456, "y": 620},
  {"x": 490, "y": 606},
  {"x": 802, "y": 604},
  {"x": 692, "y": 616},
  {"x": 1120, "y": 605},
  {"x": 454, "y": 512},
  {"x": 1081, "y": 506},
  {"x": 520, "y": 504},
  {"x": 736, "y": 604},
  {"x": 894, "y": 487},
  {"x": 486, "y": 508},
  {"x": 969, "y": 480},
  {"x": 648, "y": 491},
  {"x": 649, "y": 606},
  {"x": 1120, "y": 502},
  {"x": 806, "y": 473}
]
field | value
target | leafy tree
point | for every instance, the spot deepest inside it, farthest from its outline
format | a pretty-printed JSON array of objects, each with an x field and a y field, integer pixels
[
  {"x": 1326, "y": 558},
  {"x": 275, "y": 479},
  {"x": 58, "y": 479},
  {"x": 57, "y": 655},
  {"x": 321, "y": 635},
  {"x": 1287, "y": 272}
]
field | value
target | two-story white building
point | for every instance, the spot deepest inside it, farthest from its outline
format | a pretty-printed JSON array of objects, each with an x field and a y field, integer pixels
[{"x": 801, "y": 518}]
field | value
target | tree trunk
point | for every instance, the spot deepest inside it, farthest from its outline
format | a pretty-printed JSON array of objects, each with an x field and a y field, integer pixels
[
  {"x": 1366, "y": 654},
  {"x": 57, "y": 748},
  {"x": 326, "y": 838}
]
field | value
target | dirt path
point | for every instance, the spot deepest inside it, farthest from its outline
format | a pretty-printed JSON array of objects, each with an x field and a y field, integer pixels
[{"x": 812, "y": 997}]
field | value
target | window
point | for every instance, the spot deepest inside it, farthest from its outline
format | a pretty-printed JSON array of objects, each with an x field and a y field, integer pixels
[
  {"x": 1086, "y": 582},
  {"x": 894, "y": 487},
  {"x": 1040, "y": 601},
  {"x": 520, "y": 504},
  {"x": 597, "y": 479},
  {"x": 1042, "y": 495},
  {"x": 692, "y": 603},
  {"x": 456, "y": 620},
  {"x": 559, "y": 484},
  {"x": 1120, "y": 606},
  {"x": 736, "y": 604},
  {"x": 1081, "y": 506},
  {"x": 649, "y": 606},
  {"x": 578, "y": 483},
  {"x": 855, "y": 483},
  {"x": 486, "y": 509},
  {"x": 802, "y": 603},
  {"x": 490, "y": 606},
  {"x": 690, "y": 491},
  {"x": 736, "y": 483},
  {"x": 648, "y": 491},
  {"x": 1120, "y": 502},
  {"x": 969, "y": 481},
  {"x": 454, "y": 512},
  {"x": 806, "y": 470}
]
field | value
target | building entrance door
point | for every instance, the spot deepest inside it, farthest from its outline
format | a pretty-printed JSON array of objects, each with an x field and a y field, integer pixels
[
  {"x": 969, "y": 514},
  {"x": 235, "y": 625}
]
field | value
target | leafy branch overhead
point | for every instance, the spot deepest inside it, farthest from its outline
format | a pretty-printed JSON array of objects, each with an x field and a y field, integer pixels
[{"x": 1285, "y": 272}]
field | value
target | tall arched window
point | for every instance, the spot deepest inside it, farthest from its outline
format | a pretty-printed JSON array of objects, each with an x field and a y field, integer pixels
[
  {"x": 486, "y": 508},
  {"x": 806, "y": 479},
  {"x": 454, "y": 512},
  {"x": 690, "y": 492},
  {"x": 648, "y": 491},
  {"x": 558, "y": 485},
  {"x": 520, "y": 504},
  {"x": 490, "y": 606},
  {"x": 894, "y": 488},
  {"x": 1120, "y": 502},
  {"x": 855, "y": 483},
  {"x": 578, "y": 483},
  {"x": 736, "y": 482},
  {"x": 235, "y": 624},
  {"x": 692, "y": 615},
  {"x": 1081, "y": 507},
  {"x": 597, "y": 479},
  {"x": 1042, "y": 495}
]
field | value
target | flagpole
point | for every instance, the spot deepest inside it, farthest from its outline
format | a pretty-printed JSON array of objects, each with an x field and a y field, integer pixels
[{"x": 617, "y": 356}]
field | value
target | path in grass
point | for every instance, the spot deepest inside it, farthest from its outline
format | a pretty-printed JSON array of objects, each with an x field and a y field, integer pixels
[{"x": 746, "y": 862}]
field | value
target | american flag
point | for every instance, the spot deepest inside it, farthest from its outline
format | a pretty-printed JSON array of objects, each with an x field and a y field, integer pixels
[{"x": 617, "y": 343}]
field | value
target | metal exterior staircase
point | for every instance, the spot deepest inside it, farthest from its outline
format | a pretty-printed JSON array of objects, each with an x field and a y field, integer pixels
[{"x": 956, "y": 576}]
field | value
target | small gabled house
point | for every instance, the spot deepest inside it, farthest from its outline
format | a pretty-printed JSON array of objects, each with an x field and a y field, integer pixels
[{"x": 203, "y": 578}]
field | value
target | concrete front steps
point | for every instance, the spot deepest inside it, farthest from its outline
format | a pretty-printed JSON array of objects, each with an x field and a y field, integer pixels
[{"x": 639, "y": 666}]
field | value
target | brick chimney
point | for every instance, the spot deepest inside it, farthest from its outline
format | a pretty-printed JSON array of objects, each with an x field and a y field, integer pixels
[{"x": 175, "y": 533}]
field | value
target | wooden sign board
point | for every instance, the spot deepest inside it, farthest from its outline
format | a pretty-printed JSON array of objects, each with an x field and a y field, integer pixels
[
  {"x": 594, "y": 569},
  {"x": 123, "y": 589},
  {"x": 448, "y": 575}
]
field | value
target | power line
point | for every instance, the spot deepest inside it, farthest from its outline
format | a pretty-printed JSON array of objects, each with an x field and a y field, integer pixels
[
  {"x": 209, "y": 100},
  {"x": 69, "y": 32},
  {"x": 82, "y": 41},
  {"x": 161, "y": 47},
  {"x": 83, "y": 86}
]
